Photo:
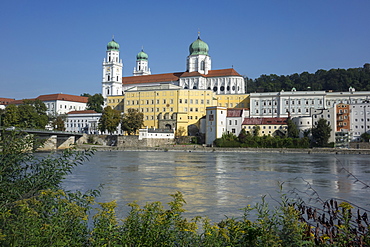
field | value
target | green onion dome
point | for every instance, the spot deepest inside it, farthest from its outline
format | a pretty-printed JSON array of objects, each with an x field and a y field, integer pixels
[
  {"x": 142, "y": 56},
  {"x": 113, "y": 45},
  {"x": 198, "y": 47}
]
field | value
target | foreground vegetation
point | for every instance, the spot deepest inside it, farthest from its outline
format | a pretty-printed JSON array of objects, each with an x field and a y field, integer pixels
[{"x": 36, "y": 211}]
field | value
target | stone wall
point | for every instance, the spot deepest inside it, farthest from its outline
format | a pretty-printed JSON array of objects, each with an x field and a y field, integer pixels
[
  {"x": 123, "y": 141},
  {"x": 359, "y": 145}
]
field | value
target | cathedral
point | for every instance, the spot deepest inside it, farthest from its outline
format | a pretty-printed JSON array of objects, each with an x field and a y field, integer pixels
[{"x": 198, "y": 74}]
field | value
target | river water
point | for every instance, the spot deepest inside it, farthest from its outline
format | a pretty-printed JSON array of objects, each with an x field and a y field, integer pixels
[{"x": 219, "y": 184}]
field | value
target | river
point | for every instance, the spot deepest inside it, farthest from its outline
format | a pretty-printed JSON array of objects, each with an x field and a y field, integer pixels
[{"x": 219, "y": 184}]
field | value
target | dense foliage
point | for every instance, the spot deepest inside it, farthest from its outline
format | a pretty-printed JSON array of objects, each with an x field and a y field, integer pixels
[
  {"x": 95, "y": 102},
  {"x": 339, "y": 80},
  {"x": 254, "y": 141},
  {"x": 58, "y": 123},
  {"x": 321, "y": 133},
  {"x": 30, "y": 114},
  {"x": 132, "y": 121},
  {"x": 36, "y": 211},
  {"x": 109, "y": 120}
]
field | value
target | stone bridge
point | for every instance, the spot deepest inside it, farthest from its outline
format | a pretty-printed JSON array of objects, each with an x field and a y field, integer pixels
[{"x": 52, "y": 140}]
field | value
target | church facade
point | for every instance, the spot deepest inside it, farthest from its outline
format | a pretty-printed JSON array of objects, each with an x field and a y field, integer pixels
[{"x": 198, "y": 75}]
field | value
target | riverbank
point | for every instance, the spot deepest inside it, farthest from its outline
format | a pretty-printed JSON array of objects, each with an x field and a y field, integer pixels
[{"x": 199, "y": 148}]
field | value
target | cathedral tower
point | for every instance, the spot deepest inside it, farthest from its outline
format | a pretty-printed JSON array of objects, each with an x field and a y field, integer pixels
[
  {"x": 142, "y": 67},
  {"x": 198, "y": 59},
  {"x": 112, "y": 71}
]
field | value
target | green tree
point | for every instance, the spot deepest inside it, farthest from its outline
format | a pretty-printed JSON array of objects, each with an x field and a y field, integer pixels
[
  {"x": 95, "y": 102},
  {"x": 85, "y": 95},
  {"x": 365, "y": 136},
  {"x": 132, "y": 121},
  {"x": 293, "y": 131},
  {"x": 11, "y": 116},
  {"x": 58, "y": 123},
  {"x": 321, "y": 132},
  {"x": 256, "y": 131},
  {"x": 32, "y": 114},
  {"x": 109, "y": 120}
]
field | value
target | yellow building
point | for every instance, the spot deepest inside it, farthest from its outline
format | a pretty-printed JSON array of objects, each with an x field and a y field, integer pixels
[
  {"x": 233, "y": 100},
  {"x": 116, "y": 102},
  {"x": 268, "y": 126},
  {"x": 168, "y": 106}
]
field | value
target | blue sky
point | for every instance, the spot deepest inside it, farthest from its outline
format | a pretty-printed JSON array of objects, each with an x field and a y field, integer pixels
[{"x": 58, "y": 46}]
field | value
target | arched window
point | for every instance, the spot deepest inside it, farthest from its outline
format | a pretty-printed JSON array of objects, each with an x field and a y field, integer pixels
[{"x": 202, "y": 65}]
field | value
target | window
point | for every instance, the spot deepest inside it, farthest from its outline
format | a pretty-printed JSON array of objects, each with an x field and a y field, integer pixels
[{"x": 180, "y": 101}]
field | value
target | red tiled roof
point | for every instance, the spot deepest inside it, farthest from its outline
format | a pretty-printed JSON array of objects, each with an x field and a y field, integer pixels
[
  {"x": 151, "y": 78},
  {"x": 234, "y": 112},
  {"x": 65, "y": 97},
  {"x": 169, "y": 77},
  {"x": 5, "y": 101},
  {"x": 58, "y": 96},
  {"x": 264, "y": 121},
  {"x": 82, "y": 112}
]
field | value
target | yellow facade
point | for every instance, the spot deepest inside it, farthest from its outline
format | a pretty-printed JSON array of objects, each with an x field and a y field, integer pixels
[
  {"x": 233, "y": 100},
  {"x": 116, "y": 102},
  {"x": 170, "y": 106}
]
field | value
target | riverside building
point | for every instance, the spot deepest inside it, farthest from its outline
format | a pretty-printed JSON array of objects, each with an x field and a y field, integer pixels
[{"x": 171, "y": 100}]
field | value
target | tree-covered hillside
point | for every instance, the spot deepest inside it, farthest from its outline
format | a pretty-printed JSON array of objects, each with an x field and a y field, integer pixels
[{"x": 334, "y": 79}]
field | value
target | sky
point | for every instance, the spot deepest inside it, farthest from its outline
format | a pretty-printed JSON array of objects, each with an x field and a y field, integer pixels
[{"x": 52, "y": 46}]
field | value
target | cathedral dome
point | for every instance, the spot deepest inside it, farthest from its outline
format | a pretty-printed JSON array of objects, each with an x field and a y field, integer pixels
[
  {"x": 198, "y": 47},
  {"x": 142, "y": 56},
  {"x": 113, "y": 45}
]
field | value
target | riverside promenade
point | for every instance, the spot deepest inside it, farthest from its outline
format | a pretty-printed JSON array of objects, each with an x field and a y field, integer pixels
[{"x": 200, "y": 148}]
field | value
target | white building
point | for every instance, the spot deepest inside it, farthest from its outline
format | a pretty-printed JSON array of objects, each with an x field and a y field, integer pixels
[
  {"x": 198, "y": 74},
  {"x": 4, "y": 102},
  {"x": 303, "y": 124},
  {"x": 152, "y": 133},
  {"x": 215, "y": 123},
  {"x": 359, "y": 119},
  {"x": 300, "y": 103},
  {"x": 284, "y": 104},
  {"x": 235, "y": 119},
  {"x": 82, "y": 121},
  {"x": 58, "y": 104}
]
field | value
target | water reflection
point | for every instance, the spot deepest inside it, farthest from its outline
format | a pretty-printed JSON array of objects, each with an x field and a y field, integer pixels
[{"x": 217, "y": 184}]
